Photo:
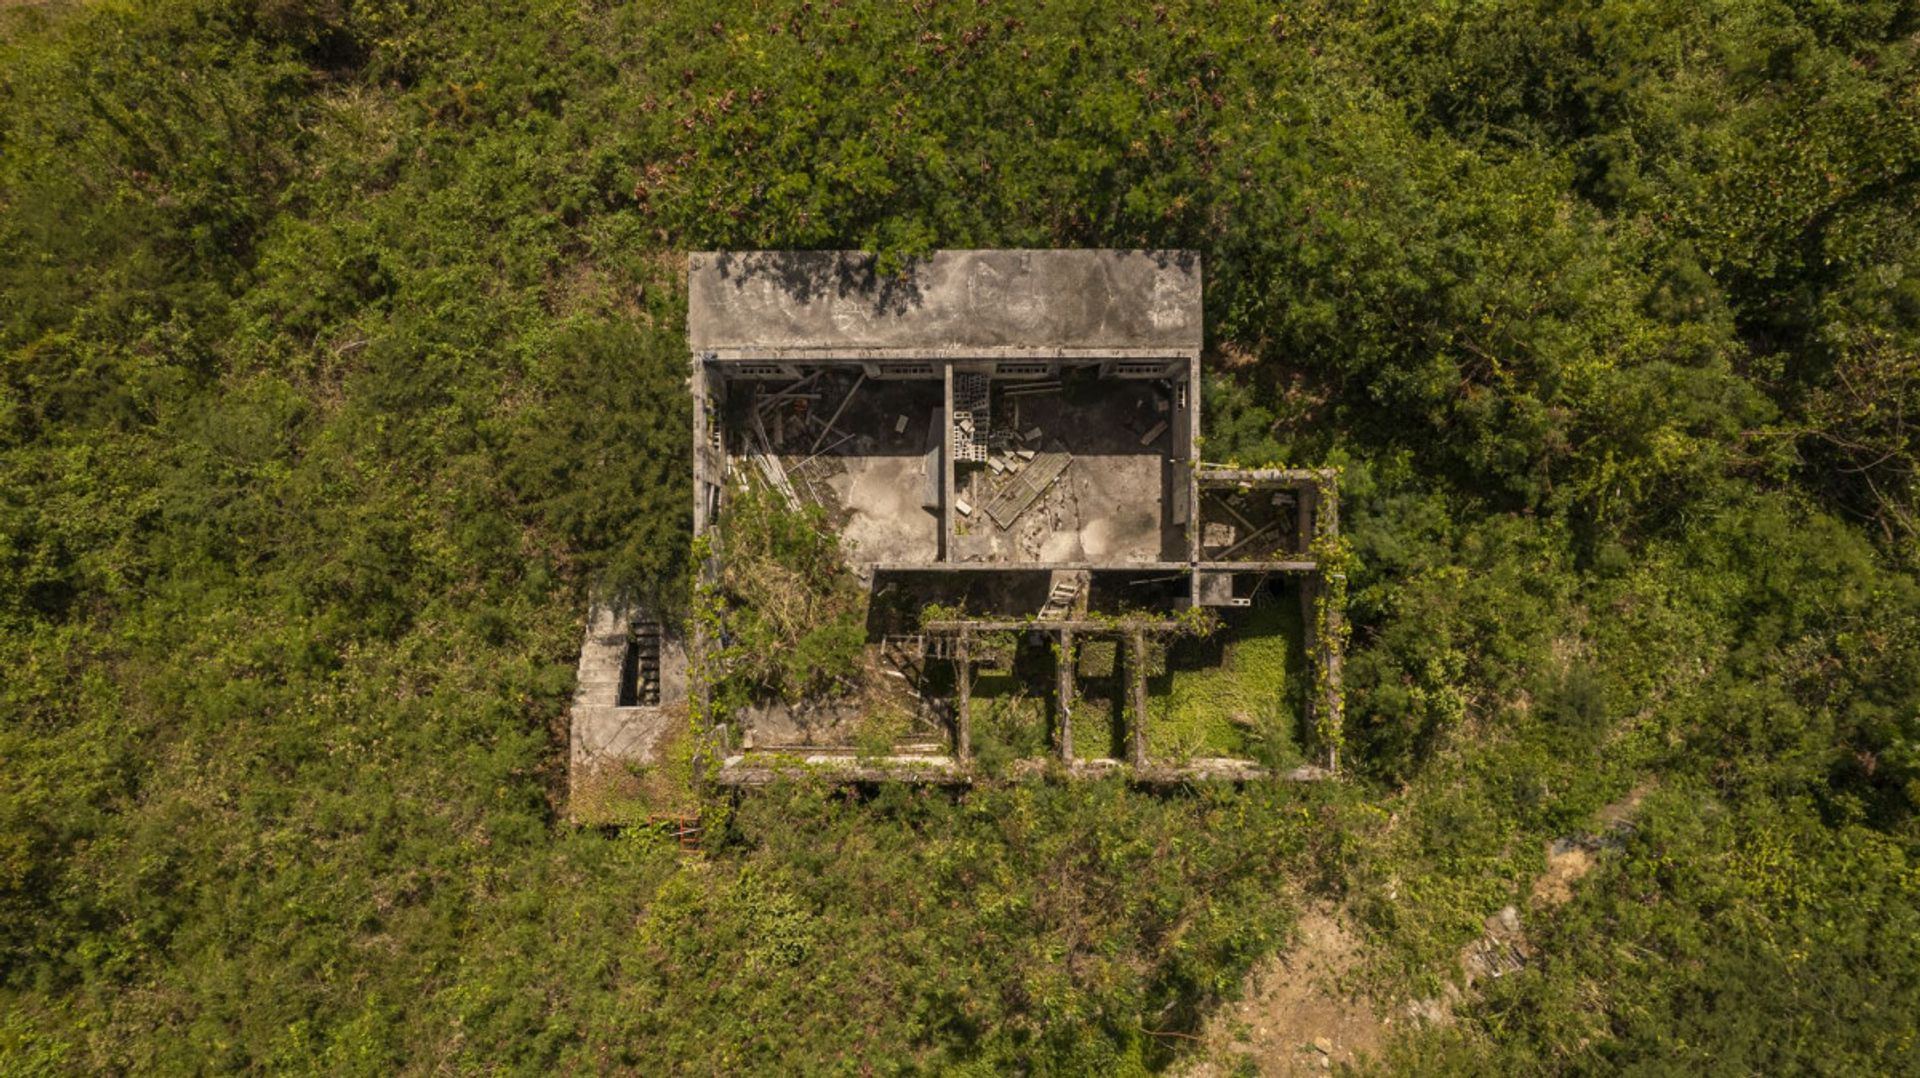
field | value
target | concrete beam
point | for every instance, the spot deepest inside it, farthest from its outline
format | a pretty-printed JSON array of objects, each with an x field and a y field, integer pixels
[
  {"x": 1088, "y": 626},
  {"x": 757, "y": 769},
  {"x": 985, "y": 357},
  {"x": 946, "y": 469},
  {"x": 963, "y": 712},
  {"x": 1295, "y": 566},
  {"x": 1137, "y": 682},
  {"x": 1219, "y": 475},
  {"x": 1064, "y": 693},
  {"x": 1031, "y": 567},
  {"x": 754, "y": 769},
  {"x": 1198, "y": 770}
]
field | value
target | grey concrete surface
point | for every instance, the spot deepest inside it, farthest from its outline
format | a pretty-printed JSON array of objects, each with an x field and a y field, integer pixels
[
  {"x": 886, "y": 521},
  {"x": 1104, "y": 511},
  {"x": 1112, "y": 506},
  {"x": 605, "y": 736},
  {"x": 980, "y": 303}
]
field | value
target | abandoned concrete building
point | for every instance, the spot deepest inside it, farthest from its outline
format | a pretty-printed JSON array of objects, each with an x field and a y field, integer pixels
[{"x": 1007, "y": 444}]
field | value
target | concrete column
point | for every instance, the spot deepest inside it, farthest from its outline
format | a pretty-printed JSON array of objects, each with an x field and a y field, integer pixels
[
  {"x": 1187, "y": 447},
  {"x": 1312, "y": 702},
  {"x": 1304, "y": 497},
  {"x": 1332, "y": 699},
  {"x": 697, "y": 385},
  {"x": 1063, "y": 694},
  {"x": 1326, "y": 520},
  {"x": 703, "y": 484},
  {"x": 963, "y": 716},
  {"x": 1326, "y": 516},
  {"x": 1137, "y": 678}
]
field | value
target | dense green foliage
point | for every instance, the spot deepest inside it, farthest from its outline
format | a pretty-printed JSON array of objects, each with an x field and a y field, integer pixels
[
  {"x": 791, "y": 614},
  {"x": 341, "y": 347}
]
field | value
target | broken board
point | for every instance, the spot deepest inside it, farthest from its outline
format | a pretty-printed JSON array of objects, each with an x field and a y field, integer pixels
[{"x": 1027, "y": 487}]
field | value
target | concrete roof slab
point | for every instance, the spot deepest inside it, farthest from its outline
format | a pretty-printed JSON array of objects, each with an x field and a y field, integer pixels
[{"x": 950, "y": 303}]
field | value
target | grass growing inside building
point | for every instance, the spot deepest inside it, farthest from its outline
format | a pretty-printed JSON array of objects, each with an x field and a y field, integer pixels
[
  {"x": 1100, "y": 710},
  {"x": 792, "y": 618},
  {"x": 1237, "y": 692},
  {"x": 1013, "y": 709}
]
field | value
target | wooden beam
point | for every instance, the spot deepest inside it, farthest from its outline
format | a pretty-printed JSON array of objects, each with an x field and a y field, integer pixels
[{"x": 844, "y": 401}]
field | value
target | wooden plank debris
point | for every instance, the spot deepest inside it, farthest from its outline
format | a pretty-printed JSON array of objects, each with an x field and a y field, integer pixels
[
  {"x": 1229, "y": 552},
  {"x": 769, "y": 464},
  {"x": 1027, "y": 486},
  {"x": 794, "y": 391},
  {"x": 835, "y": 418}
]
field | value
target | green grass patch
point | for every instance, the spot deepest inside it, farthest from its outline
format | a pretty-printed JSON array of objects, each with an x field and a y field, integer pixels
[
  {"x": 1099, "y": 719},
  {"x": 1013, "y": 710},
  {"x": 1235, "y": 693}
]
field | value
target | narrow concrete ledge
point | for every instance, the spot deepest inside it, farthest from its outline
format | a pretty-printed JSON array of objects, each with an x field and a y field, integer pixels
[
  {"x": 761, "y": 769},
  {"x": 1199, "y": 769},
  {"x": 1224, "y": 769}
]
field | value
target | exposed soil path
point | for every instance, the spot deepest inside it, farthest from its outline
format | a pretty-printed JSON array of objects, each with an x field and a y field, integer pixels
[
  {"x": 1305, "y": 1011},
  {"x": 1302, "y": 1011}
]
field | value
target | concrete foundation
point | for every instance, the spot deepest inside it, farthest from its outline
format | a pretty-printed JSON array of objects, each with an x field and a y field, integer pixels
[
  {"x": 608, "y": 741},
  {"x": 1011, "y": 436}
]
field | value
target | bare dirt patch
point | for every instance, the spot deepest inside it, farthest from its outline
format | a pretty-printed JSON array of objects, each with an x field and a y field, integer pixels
[
  {"x": 1565, "y": 866},
  {"x": 1505, "y": 948},
  {"x": 1301, "y": 1012},
  {"x": 1570, "y": 859},
  {"x": 1305, "y": 1011}
]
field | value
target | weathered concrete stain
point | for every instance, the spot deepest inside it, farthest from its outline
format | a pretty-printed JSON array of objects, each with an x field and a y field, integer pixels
[{"x": 951, "y": 302}]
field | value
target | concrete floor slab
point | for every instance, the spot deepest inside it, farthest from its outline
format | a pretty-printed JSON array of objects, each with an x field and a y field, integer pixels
[
  {"x": 606, "y": 740},
  {"x": 1113, "y": 505},
  {"x": 886, "y": 521}
]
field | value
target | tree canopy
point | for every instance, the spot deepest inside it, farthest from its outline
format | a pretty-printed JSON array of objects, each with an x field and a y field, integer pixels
[{"x": 342, "y": 349}]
